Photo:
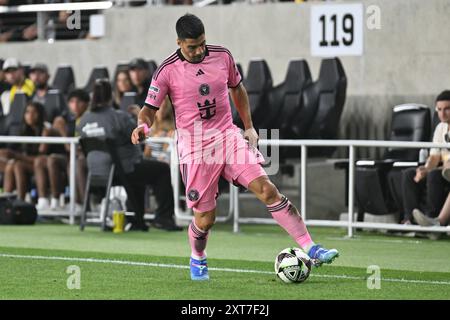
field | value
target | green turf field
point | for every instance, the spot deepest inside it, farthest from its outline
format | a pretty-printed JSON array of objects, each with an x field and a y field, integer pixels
[{"x": 154, "y": 265}]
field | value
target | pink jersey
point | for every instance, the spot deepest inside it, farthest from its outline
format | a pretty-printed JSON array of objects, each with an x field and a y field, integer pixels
[{"x": 199, "y": 95}]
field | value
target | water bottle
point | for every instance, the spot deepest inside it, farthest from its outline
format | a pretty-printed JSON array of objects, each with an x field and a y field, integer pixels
[
  {"x": 50, "y": 31},
  {"x": 423, "y": 155}
]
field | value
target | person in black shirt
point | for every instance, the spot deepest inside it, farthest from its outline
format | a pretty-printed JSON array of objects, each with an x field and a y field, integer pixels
[
  {"x": 141, "y": 78},
  {"x": 104, "y": 121}
]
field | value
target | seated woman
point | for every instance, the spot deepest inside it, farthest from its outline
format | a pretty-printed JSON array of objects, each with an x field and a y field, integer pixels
[
  {"x": 20, "y": 164},
  {"x": 162, "y": 127},
  {"x": 122, "y": 84}
]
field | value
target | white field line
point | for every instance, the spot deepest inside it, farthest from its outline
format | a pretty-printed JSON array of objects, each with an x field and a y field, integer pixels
[
  {"x": 176, "y": 266},
  {"x": 374, "y": 240}
]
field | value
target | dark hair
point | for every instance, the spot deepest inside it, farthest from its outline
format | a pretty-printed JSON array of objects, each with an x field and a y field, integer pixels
[
  {"x": 189, "y": 27},
  {"x": 26, "y": 129},
  {"x": 80, "y": 94},
  {"x": 443, "y": 96},
  {"x": 101, "y": 94}
]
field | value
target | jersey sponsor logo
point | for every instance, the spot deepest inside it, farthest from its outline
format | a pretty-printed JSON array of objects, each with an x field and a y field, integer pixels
[
  {"x": 204, "y": 89},
  {"x": 208, "y": 109},
  {"x": 193, "y": 195},
  {"x": 151, "y": 96},
  {"x": 154, "y": 89},
  {"x": 199, "y": 72}
]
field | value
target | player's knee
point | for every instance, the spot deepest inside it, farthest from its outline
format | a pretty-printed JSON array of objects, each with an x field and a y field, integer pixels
[
  {"x": 205, "y": 222},
  {"x": 269, "y": 193}
]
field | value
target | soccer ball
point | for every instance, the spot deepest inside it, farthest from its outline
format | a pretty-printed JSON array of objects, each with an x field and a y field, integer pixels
[{"x": 292, "y": 265}]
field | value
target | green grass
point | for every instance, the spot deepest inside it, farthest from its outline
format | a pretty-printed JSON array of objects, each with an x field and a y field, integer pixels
[{"x": 33, "y": 272}]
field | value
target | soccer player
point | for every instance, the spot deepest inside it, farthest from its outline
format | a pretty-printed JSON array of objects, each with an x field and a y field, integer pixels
[{"x": 197, "y": 78}]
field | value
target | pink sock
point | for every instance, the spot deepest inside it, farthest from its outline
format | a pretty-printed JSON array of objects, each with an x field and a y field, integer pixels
[
  {"x": 288, "y": 217},
  {"x": 197, "y": 240}
]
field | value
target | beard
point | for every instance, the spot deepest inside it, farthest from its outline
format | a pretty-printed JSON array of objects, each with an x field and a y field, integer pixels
[{"x": 198, "y": 58}]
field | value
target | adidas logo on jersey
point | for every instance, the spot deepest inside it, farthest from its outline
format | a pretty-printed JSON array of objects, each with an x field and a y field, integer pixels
[{"x": 199, "y": 72}]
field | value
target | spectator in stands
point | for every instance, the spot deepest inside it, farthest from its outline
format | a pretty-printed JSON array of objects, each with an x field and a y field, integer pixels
[
  {"x": 428, "y": 179},
  {"x": 103, "y": 120},
  {"x": 4, "y": 86},
  {"x": 52, "y": 169},
  {"x": 15, "y": 76},
  {"x": 20, "y": 165},
  {"x": 122, "y": 84},
  {"x": 162, "y": 127},
  {"x": 141, "y": 78},
  {"x": 39, "y": 75}
]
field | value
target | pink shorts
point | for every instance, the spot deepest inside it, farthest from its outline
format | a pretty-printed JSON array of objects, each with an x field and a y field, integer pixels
[{"x": 202, "y": 179}]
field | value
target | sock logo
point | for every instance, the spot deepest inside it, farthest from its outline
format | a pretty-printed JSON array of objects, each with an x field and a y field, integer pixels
[{"x": 293, "y": 210}]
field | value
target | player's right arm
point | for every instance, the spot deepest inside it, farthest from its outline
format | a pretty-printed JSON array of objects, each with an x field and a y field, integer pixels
[
  {"x": 146, "y": 118},
  {"x": 156, "y": 94}
]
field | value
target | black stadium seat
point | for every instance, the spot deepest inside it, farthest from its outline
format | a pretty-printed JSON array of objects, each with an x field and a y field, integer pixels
[
  {"x": 54, "y": 105},
  {"x": 128, "y": 99},
  {"x": 64, "y": 79},
  {"x": 98, "y": 72},
  {"x": 152, "y": 66},
  {"x": 410, "y": 122},
  {"x": 286, "y": 98},
  {"x": 14, "y": 119},
  {"x": 258, "y": 84},
  {"x": 286, "y": 101},
  {"x": 323, "y": 103}
]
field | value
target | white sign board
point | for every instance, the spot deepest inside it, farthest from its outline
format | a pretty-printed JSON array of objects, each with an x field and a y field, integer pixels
[
  {"x": 97, "y": 25},
  {"x": 337, "y": 30}
]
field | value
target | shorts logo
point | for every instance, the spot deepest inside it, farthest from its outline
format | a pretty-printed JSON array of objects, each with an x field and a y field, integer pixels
[
  {"x": 193, "y": 195},
  {"x": 204, "y": 89},
  {"x": 154, "y": 89}
]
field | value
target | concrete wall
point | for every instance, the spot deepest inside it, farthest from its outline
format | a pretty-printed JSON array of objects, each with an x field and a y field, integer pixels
[{"x": 409, "y": 55}]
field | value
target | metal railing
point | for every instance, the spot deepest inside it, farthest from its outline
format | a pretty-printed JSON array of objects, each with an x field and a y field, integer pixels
[
  {"x": 351, "y": 144},
  {"x": 233, "y": 212}
]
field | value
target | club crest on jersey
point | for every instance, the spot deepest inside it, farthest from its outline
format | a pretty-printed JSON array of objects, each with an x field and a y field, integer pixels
[
  {"x": 193, "y": 195},
  {"x": 208, "y": 109},
  {"x": 204, "y": 89}
]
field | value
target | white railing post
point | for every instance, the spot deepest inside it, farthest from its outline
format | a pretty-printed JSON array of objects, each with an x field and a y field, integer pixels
[
  {"x": 351, "y": 189},
  {"x": 234, "y": 194},
  {"x": 72, "y": 182},
  {"x": 303, "y": 182}
]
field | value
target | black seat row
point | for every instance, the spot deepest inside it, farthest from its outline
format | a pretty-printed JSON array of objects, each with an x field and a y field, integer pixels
[
  {"x": 299, "y": 107},
  {"x": 11, "y": 123},
  {"x": 64, "y": 79}
]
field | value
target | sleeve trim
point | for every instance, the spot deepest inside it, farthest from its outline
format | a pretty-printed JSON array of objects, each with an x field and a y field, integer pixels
[
  {"x": 233, "y": 87},
  {"x": 151, "y": 106}
]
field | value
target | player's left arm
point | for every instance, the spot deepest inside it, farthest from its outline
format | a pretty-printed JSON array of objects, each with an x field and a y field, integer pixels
[{"x": 240, "y": 99}]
